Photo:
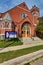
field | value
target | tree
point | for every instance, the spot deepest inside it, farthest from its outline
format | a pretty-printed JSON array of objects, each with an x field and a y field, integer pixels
[{"x": 40, "y": 25}]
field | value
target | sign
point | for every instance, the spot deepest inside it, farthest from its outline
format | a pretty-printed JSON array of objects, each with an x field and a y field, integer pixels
[{"x": 10, "y": 34}]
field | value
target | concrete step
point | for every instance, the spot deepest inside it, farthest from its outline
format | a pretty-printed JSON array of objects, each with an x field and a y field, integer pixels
[{"x": 28, "y": 40}]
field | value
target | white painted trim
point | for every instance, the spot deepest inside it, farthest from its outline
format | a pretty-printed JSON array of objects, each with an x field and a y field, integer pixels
[
  {"x": 2, "y": 34},
  {"x": 5, "y": 28},
  {"x": 23, "y": 8},
  {"x": 7, "y": 17}
]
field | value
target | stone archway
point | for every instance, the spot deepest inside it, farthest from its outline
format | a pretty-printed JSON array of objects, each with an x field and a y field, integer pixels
[{"x": 25, "y": 29}]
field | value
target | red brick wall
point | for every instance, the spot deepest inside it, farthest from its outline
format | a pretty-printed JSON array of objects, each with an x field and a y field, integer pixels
[{"x": 15, "y": 14}]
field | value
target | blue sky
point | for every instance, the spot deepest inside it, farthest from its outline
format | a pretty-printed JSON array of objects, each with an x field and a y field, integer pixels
[{"x": 8, "y": 4}]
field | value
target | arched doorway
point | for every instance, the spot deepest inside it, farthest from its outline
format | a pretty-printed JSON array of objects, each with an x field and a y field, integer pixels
[{"x": 25, "y": 30}]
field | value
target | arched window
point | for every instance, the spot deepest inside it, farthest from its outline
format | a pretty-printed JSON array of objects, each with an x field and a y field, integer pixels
[
  {"x": 2, "y": 25},
  {"x": 8, "y": 25},
  {"x": 23, "y": 15},
  {"x": 35, "y": 14}
]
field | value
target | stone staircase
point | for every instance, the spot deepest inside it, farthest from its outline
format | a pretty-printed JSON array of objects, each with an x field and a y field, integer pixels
[{"x": 28, "y": 40}]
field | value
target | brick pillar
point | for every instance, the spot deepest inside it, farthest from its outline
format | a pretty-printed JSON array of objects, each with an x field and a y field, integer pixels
[{"x": 19, "y": 30}]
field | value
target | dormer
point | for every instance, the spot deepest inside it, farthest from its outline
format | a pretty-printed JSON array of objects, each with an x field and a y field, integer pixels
[
  {"x": 35, "y": 11},
  {"x": 7, "y": 17}
]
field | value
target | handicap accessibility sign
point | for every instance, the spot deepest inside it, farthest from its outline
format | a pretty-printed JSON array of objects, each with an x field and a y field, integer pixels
[
  {"x": 7, "y": 35},
  {"x": 10, "y": 34}
]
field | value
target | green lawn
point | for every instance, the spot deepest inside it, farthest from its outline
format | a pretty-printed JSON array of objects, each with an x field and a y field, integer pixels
[
  {"x": 13, "y": 54},
  {"x": 10, "y": 42},
  {"x": 41, "y": 38}
]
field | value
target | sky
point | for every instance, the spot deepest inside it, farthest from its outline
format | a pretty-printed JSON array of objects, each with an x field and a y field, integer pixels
[{"x": 6, "y": 5}]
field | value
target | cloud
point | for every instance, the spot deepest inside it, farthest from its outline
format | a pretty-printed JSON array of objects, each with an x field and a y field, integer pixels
[
  {"x": 41, "y": 1},
  {"x": 8, "y": 4},
  {"x": 41, "y": 12},
  {"x": 3, "y": 8}
]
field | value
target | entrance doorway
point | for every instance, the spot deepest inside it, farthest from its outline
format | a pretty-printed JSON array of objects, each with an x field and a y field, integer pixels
[{"x": 25, "y": 30}]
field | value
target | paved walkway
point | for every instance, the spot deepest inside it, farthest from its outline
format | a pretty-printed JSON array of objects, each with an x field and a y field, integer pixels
[
  {"x": 27, "y": 42},
  {"x": 18, "y": 47},
  {"x": 23, "y": 59}
]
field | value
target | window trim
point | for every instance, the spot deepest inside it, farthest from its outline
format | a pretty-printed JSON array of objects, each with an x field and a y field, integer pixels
[{"x": 23, "y": 15}]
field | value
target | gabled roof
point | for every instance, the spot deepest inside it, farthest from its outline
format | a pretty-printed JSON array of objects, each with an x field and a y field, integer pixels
[
  {"x": 7, "y": 17},
  {"x": 13, "y": 12},
  {"x": 22, "y": 5},
  {"x": 35, "y": 8}
]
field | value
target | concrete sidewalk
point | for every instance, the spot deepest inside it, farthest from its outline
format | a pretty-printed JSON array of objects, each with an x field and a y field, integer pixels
[
  {"x": 23, "y": 59},
  {"x": 27, "y": 42},
  {"x": 19, "y": 47}
]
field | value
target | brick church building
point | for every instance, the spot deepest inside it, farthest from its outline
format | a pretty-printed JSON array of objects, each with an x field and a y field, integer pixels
[{"x": 20, "y": 19}]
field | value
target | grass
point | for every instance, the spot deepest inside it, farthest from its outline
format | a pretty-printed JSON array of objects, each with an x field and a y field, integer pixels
[
  {"x": 10, "y": 42},
  {"x": 41, "y": 38},
  {"x": 13, "y": 54}
]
